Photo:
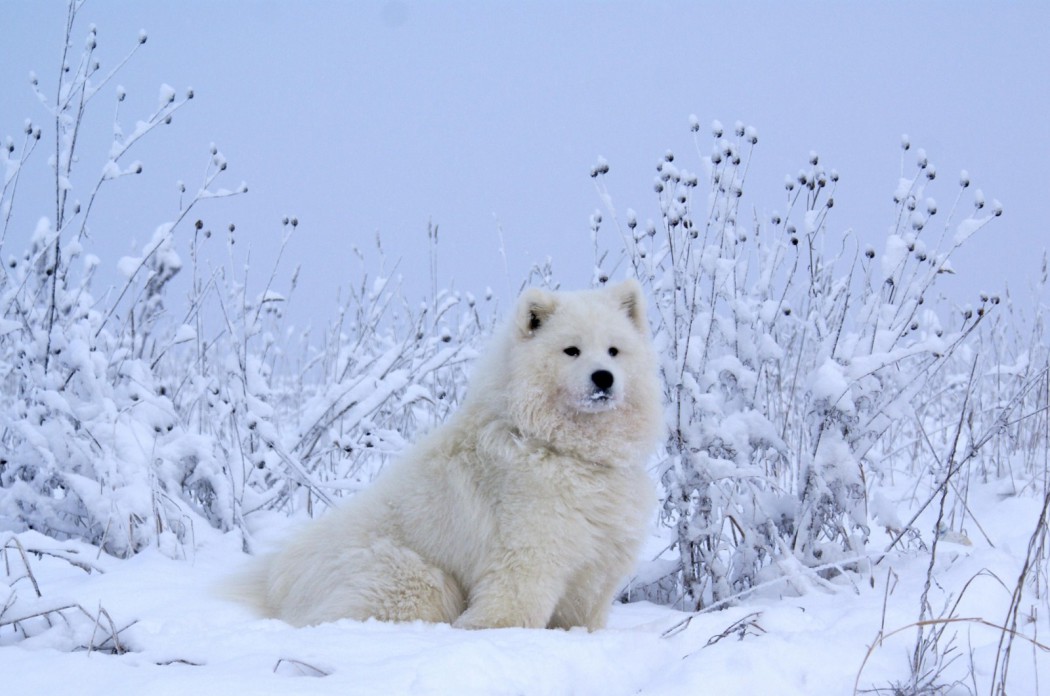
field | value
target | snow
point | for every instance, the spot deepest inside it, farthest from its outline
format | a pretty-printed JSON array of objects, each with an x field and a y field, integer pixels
[
  {"x": 967, "y": 227},
  {"x": 110, "y": 170},
  {"x": 128, "y": 266},
  {"x": 182, "y": 636},
  {"x": 167, "y": 94},
  {"x": 185, "y": 333}
]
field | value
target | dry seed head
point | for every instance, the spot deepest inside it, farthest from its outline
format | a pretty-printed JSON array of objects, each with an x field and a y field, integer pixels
[
  {"x": 694, "y": 123},
  {"x": 964, "y": 179},
  {"x": 870, "y": 252},
  {"x": 905, "y": 142},
  {"x": 716, "y": 129}
]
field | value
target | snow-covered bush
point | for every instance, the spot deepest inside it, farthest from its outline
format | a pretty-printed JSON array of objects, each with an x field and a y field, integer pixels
[
  {"x": 323, "y": 421},
  {"x": 142, "y": 419},
  {"x": 788, "y": 352}
]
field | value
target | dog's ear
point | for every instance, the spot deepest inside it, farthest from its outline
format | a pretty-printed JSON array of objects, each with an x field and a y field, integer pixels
[
  {"x": 632, "y": 302},
  {"x": 535, "y": 306}
]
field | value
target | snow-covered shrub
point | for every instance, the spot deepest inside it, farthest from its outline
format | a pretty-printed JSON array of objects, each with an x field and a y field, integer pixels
[
  {"x": 143, "y": 419},
  {"x": 324, "y": 421},
  {"x": 788, "y": 352},
  {"x": 91, "y": 446}
]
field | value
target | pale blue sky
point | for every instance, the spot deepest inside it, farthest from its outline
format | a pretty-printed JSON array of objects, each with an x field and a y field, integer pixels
[{"x": 381, "y": 116}]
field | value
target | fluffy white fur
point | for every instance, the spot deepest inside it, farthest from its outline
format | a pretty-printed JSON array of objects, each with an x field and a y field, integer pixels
[{"x": 526, "y": 509}]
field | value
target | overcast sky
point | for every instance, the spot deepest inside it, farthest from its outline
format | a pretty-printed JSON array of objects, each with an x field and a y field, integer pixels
[{"x": 370, "y": 117}]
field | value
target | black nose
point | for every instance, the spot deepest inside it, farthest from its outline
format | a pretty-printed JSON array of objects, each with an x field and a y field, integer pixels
[{"x": 602, "y": 379}]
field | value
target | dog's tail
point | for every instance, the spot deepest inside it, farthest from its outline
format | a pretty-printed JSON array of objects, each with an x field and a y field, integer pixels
[{"x": 249, "y": 585}]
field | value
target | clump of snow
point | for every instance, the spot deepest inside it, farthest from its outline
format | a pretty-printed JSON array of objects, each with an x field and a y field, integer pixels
[{"x": 167, "y": 94}]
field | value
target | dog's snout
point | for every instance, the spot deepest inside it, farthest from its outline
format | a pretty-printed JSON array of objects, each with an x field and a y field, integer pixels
[{"x": 603, "y": 379}]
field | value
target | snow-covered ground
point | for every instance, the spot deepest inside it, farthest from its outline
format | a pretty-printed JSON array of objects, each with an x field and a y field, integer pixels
[{"x": 180, "y": 636}]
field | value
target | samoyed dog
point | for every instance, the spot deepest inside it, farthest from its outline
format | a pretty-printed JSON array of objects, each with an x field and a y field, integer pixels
[{"x": 527, "y": 508}]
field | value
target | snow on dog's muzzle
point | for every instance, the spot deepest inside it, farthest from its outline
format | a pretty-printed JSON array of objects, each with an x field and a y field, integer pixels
[{"x": 601, "y": 396}]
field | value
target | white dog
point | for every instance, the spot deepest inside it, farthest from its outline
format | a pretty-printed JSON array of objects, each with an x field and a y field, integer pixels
[{"x": 526, "y": 509}]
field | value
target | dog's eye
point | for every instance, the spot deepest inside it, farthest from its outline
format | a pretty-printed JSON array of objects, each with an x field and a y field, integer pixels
[
  {"x": 614, "y": 351},
  {"x": 572, "y": 351}
]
